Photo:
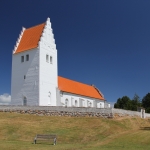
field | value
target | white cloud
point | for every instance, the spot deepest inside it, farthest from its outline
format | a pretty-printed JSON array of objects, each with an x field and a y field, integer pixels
[{"x": 5, "y": 99}]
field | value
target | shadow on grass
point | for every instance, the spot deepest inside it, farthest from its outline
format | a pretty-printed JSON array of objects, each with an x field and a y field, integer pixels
[{"x": 145, "y": 128}]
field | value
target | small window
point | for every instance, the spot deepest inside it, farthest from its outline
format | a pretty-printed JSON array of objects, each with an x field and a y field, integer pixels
[
  {"x": 47, "y": 58},
  {"x": 51, "y": 59},
  {"x": 27, "y": 57},
  {"x": 22, "y": 58},
  {"x": 24, "y": 76}
]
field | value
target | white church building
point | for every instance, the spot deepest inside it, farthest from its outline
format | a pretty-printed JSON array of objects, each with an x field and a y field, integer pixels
[{"x": 35, "y": 80}]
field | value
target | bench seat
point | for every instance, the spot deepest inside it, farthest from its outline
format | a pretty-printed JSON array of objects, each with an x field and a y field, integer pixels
[{"x": 45, "y": 137}]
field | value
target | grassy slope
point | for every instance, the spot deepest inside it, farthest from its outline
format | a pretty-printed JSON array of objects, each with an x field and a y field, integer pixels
[{"x": 17, "y": 131}]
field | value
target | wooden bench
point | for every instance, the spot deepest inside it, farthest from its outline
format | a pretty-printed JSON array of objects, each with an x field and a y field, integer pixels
[{"x": 45, "y": 137}]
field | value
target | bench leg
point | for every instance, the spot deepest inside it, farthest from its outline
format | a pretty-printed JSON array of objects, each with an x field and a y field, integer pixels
[
  {"x": 54, "y": 141},
  {"x": 34, "y": 141}
]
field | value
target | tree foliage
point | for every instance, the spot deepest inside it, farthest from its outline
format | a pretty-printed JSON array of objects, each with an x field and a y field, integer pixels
[
  {"x": 131, "y": 104},
  {"x": 126, "y": 103},
  {"x": 136, "y": 102},
  {"x": 123, "y": 103},
  {"x": 146, "y": 102}
]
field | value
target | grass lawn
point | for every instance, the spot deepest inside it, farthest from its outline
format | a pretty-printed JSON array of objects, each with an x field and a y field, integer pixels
[{"x": 17, "y": 132}]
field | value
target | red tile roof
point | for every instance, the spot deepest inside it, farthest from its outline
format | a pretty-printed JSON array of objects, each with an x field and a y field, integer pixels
[
  {"x": 78, "y": 88},
  {"x": 30, "y": 38}
]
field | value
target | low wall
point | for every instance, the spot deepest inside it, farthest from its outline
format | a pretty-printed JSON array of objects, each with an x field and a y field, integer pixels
[
  {"x": 59, "y": 111},
  {"x": 72, "y": 111},
  {"x": 122, "y": 113},
  {"x": 147, "y": 115}
]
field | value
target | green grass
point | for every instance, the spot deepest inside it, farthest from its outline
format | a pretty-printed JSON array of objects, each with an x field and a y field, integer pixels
[{"x": 17, "y": 132}]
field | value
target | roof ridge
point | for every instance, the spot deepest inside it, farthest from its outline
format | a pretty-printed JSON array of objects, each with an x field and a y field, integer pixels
[
  {"x": 77, "y": 81},
  {"x": 35, "y": 26}
]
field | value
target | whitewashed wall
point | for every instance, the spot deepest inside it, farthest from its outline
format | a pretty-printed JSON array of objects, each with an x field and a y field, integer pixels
[
  {"x": 28, "y": 87},
  {"x": 48, "y": 71},
  {"x": 72, "y": 100}
]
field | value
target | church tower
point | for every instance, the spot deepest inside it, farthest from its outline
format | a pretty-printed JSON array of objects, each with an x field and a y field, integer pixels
[{"x": 34, "y": 67}]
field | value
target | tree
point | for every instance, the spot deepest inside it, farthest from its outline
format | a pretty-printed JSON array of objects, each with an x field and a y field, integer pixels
[
  {"x": 126, "y": 103},
  {"x": 136, "y": 102},
  {"x": 146, "y": 102},
  {"x": 123, "y": 103}
]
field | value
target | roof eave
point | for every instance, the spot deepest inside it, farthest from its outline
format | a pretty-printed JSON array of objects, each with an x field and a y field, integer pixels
[
  {"x": 81, "y": 94},
  {"x": 25, "y": 50}
]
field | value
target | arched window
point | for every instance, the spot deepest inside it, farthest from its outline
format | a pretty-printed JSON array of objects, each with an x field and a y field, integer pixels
[
  {"x": 76, "y": 103},
  {"x": 100, "y": 105},
  {"x": 66, "y": 102},
  {"x": 89, "y": 104},
  {"x": 24, "y": 101}
]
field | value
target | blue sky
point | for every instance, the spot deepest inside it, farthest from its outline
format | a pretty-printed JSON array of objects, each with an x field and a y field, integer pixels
[{"x": 100, "y": 42}]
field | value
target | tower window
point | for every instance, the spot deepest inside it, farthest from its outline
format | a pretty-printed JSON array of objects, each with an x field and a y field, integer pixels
[
  {"x": 27, "y": 57},
  {"x": 22, "y": 58},
  {"x": 47, "y": 58},
  {"x": 51, "y": 59}
]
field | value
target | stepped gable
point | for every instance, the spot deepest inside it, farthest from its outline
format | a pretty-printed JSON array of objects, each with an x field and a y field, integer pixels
[
  {"x": 29, "y": 38},
  {"x": 74, "y": 87}
]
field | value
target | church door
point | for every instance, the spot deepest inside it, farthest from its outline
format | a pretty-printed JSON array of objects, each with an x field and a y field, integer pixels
[
  {"x": 66, "y": 102},
  {"x": 24, "y": 101},
  {"x": 76, "y": 103}
]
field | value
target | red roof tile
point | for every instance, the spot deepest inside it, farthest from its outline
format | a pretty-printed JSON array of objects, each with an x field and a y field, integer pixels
[
  {"x": 30, "y": 38},
  {"x": 78, "y": 88}
]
